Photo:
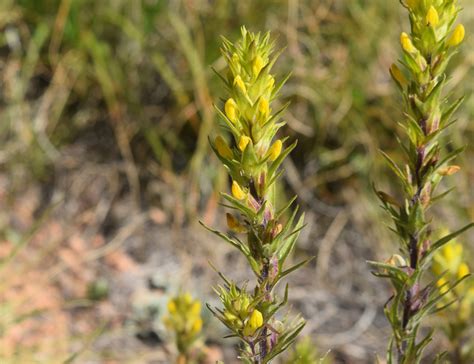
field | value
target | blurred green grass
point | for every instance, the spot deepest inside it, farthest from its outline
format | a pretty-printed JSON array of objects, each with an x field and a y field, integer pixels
[{"x": 138, "y": 73}]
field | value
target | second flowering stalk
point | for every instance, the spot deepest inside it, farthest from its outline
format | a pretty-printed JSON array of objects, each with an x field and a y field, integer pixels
[
  {"x": 427, "y": 50},
  {"x": 262, "y": 227}
]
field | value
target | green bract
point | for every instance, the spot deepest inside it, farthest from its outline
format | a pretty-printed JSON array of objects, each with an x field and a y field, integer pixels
[
  {"x": 433, "y": 40},
  {"x": 269, "y": 234}
]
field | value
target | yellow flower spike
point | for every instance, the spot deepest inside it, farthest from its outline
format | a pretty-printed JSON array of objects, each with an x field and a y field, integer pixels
[
  {"x": 432, "y": 17},
  {"x": 240, "y": 84},
  {"x": 406, "y": 43},
  {"x": 222, "y": 148},
  {"x": 237, "y": 191},
  {"x": 254, "y": 322},
  {"x": 275, "y": 150},
  {"x": 457, "y": 37},
  {"x": 257, "y": 65},
  {"x": 398, "y": 75},
  {"x": 231, "y": 110},
  {"x": 243, "y": 142},
  {"x": 263, "y": 107},
  {"x": 196, "y": 327},
  {"x": 463, "y": 270},
  {"x": 172, "y": 307}
]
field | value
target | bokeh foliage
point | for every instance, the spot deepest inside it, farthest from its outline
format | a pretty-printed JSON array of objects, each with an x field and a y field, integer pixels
[{"x": 135, "y": 76}]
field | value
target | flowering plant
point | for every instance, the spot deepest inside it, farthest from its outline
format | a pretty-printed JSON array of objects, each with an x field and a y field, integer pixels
[
  {"x": 184, "y": 321},
  {"x": 434, "y": 39},
  {"x": 252, "y": 159},
  {"x": 450, "y": 263}
]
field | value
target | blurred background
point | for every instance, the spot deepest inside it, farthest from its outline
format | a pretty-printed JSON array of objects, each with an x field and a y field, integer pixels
[{"x": 105, "y": 169}]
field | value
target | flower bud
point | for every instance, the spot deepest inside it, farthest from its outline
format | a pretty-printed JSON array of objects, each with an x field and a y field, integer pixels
[
  {"x": 187, "y": 298},
  {"x": 275, "y": 150},
  {"x": 398, "y": 76},
  {"x": 222, "y": 148},
  {"x": 270, "y": 82},
  {"x": 443, "y": 287},
  {"x": 234, "y": 224},
  {"x": 457, "y": 37},
  {"x": 230, "y": 316},
  {"x": 449, "y": 170},
  {"x": 254, "y": 322},
  {"x": 235, "y": 61},
  {"x": 231, "y": 110},
  {"x": 463, "y": 270},
  {"x": 257, "y": 65},
  {"x": 406, "y": 43},
  {"x": 172, "y": 307},
  {"x": 197, "y": 326},
  {"x": 432, "y": 17},
  {"x": 195, "y": 308},
  {"x": 263, "y": 107},
  {"x": 452, "y": 253},
  {"x": 237, "y": 191},
  {"x": 240, "y": 84},
  {"x": 397, "y": 261},
  {"x": 243, "y": 142}
]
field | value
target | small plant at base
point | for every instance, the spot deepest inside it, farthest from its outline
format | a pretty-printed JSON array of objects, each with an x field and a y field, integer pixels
[
  {"x": 426, "y": 52},
  {"x": 253, "y": 162},
  {"x": 184, "y": 321},
  {"x": 305, "y": 352},
  {"x": 450, "y": 263}
]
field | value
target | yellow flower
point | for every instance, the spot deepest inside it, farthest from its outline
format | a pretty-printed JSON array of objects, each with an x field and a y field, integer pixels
[
  {"x": 275, "y": 150},
  {"x": 222, "y": 148},
  {"x": 443, "y": 287},
  {"x": 197, "y": 326},
  {"x": 257, "y": 65},
  {"x": 254, "y": 322},
  {"x": 457, "y": 37},
  {"x": 463, "y": 270},
  {"x": 243, "y": 142},
  {"x": 240, "y": 83},
  {"x": 231, "y": 110},
  {"x": 270, "y": 82},
  {"x": 263, "y": 107},
  {"x": 196, "y": 308},
  {"x": 237, "y": 191},
  {"x": 432, "y": 17},
  {"x": 398, "y": 75},
  {"x": 406, "y": 43},
  {"x": 172, "y": 307},
  {"x": 187, "y": 298},
  {"x": 234, "y": 224}
]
